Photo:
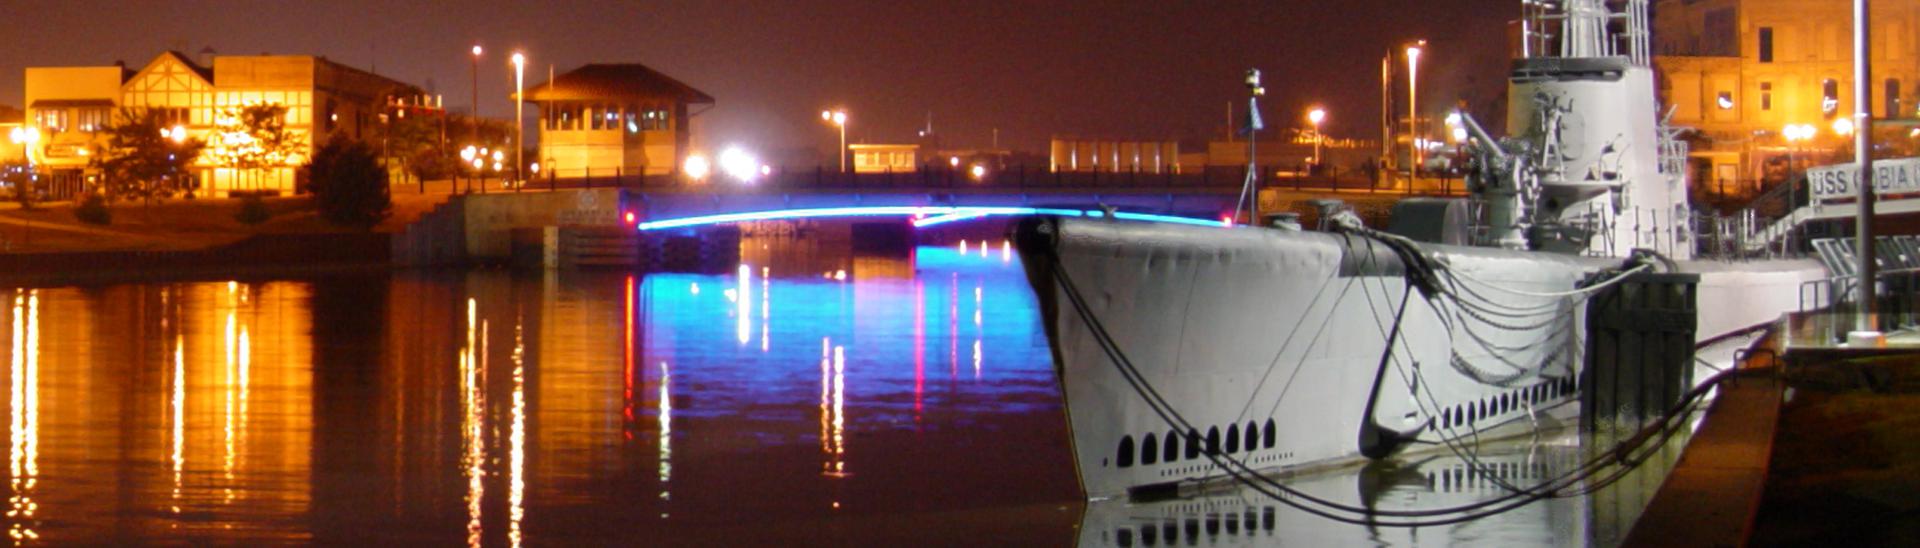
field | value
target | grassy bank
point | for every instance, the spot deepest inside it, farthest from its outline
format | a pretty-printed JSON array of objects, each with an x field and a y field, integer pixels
[{"x": 180, "y": 224}]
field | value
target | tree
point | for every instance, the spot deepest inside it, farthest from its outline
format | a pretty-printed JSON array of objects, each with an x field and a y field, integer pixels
[
  {"x": 19, "y": 177},
  {"x": 349, "y": 185},
  {"x": 254, "y": 137},
  {"x": 142, "y": 159}
]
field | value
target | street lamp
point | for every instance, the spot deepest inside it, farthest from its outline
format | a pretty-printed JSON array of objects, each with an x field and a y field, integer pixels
[
  {"x": 1413, "y": 108},
  {"x": 25, "y": 137},
  {"x": 1315, "y": 116},
  {"x": 838, "y": 118},
  {"x": 476, "y": 105},
  {"x": 519, "y": 126},
  {"x": 1843, "y": 127}
]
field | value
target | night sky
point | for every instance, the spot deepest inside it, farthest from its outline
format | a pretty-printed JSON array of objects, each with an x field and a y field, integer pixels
[{"x": 1117, "y": 69}]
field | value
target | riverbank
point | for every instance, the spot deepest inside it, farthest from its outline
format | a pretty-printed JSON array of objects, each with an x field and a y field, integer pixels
[
  {"x": 195, "y": 238},
  {"x": 184, "y": 224}
]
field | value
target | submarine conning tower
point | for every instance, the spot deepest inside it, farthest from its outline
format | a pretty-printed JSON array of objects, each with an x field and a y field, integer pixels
[{"x": 1600, "y": 173}]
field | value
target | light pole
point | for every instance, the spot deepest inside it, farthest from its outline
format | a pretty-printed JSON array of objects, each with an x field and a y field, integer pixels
[
  {"x": 519, "y": 125},
  {"x": 838, "y": 118},
  {"x": 476, "y": 110},
  {"x": 1413, "y": 109},
  {"x": 1866, "y": 330},
  {"x": 1315, "y": 116}
]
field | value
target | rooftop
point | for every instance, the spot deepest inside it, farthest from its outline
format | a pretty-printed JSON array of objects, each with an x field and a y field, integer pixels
[{"x": 615, "y": 81}]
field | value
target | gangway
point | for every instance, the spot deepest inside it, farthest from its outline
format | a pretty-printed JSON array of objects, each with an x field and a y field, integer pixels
[{"x": 1897, "y": 186}]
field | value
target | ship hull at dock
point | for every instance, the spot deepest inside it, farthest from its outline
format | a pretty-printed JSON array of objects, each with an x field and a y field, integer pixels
[{"x": 1279, "y": 349}]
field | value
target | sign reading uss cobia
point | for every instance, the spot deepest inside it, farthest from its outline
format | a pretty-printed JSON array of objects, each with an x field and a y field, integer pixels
[{"x": 1900, "y": 176}]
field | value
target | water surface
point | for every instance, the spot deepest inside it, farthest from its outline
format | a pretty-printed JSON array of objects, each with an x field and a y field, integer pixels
[{"x": 805, "y": 396}]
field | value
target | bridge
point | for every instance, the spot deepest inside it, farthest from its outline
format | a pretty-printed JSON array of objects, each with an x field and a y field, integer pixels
[{"x": 481, "y": 226}]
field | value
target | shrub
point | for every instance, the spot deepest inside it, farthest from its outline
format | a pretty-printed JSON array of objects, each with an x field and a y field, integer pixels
[
  {"x": 93, "y": 210},
  {"x": 349, "y": 185},
  {"x": 253, "y": 211}
]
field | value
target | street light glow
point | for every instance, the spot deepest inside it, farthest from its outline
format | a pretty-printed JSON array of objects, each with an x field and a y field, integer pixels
[
  {"x": 179, "y": 134},
  {"x": 476, "y": 50},
  {"x": 1316, "y": 115},
  {"x": 1843, "y": 126},
  {"x": 697, "y": 167},
  {"x": 739, "y": 164}
]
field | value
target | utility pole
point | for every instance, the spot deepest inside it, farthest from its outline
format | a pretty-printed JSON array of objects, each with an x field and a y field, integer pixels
[{"x": 1866, "y": 330}]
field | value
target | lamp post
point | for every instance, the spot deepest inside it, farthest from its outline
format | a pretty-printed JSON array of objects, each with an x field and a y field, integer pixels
[
  {"x": 519, "y": 127},
  {"x": 476, "y": 107},
  {"x": 1315, "y": 116},
  {"x": 1413, "y": 109},
  {"x": 838, "y": 118},
  {"x": 1866, "y": 330}
]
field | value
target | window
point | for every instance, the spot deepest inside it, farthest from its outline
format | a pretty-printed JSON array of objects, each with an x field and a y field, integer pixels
[
  {"x": 92, "y": 119},
  {"x": 52, "y": 120},
  {"x": 1893, "y": 99},
  {"x": 1149, "y": 450},
  {"x": 1766, "y": 96},
  {"x": 1724, "y": 100},
  {"x": 599, "y": 121},
  {"x": 1766, "y": 44},
  {"x": 1124, "y": 457},
  {"x": 1829, "y": 97},
  {"x": 1173, "y": 447},
  {"x": 655, "y": 120}
]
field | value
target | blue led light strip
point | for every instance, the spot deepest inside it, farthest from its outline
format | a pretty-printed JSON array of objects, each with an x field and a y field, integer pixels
[{"x": 928, "y": 215}]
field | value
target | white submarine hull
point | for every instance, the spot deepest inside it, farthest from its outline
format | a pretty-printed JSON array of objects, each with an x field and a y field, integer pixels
[{"x": 1269, "y": 345}]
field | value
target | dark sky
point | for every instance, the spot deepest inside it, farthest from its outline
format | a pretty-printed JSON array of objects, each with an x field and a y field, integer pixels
[{"x": 1130, "y": 69}]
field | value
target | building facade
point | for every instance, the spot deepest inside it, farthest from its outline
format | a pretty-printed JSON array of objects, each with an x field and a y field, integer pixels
[
  {"x": 1073, "y": 155},
  {"x": 613, "y": 120},
  {"x": 885, "y": 158},
  {"x": 1741, "y": 72},
  {"x": 70, "y": 107}
]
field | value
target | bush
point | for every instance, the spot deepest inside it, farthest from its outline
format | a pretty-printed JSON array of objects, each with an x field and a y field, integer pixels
[
  {"x": 93, "y": 210},
  {"x": 253, "y": 211},
  {"x": 349, "y": 185}
]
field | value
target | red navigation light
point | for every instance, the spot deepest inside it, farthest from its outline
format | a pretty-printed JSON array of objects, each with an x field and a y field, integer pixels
[
  {"x": 631, "y": 219},
  {"x": 1226, "y": 220}
]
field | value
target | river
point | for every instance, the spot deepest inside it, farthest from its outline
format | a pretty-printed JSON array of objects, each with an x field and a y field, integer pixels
[{"x": 808, "y": 395}]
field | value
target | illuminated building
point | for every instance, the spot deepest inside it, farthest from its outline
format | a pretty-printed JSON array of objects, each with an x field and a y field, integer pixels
[
  {"x": 881, "y": 158},
  {"x": 1113, "y": 156},
  {"x": 1740, "y": 71},
  {"x": 72, "y": 105},
  {"x": 614, "y": 119}
]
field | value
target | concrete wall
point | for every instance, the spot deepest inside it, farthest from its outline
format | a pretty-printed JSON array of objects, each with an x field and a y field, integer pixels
[
  {"x": 479, "y": 227},
  {"x": 489, "y": 218}
]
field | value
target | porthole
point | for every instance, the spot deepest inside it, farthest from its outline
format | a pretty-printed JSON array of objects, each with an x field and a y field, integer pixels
[
  {"x": 1267, "y": 434},
  {"x": 1213, "y": 440},
  {"x": 1149, "y": 449},
  {"x": 1193, "y": 444},
  {"x": 1233, "y": 439},
  {"x": 1173, "y": 447},
  {"x": 1253, "y": 437},
  {"x": 1125, "y": 457}
]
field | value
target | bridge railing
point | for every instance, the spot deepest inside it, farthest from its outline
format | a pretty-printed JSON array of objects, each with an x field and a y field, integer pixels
[{"x": 1023, "y": 178}]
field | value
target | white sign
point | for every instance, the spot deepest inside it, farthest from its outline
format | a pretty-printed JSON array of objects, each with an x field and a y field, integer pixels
[{"x": 1900, "y": 176}]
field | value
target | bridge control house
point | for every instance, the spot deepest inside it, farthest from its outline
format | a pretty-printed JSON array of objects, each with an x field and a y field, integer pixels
[{"x": 608, "y": 120}]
